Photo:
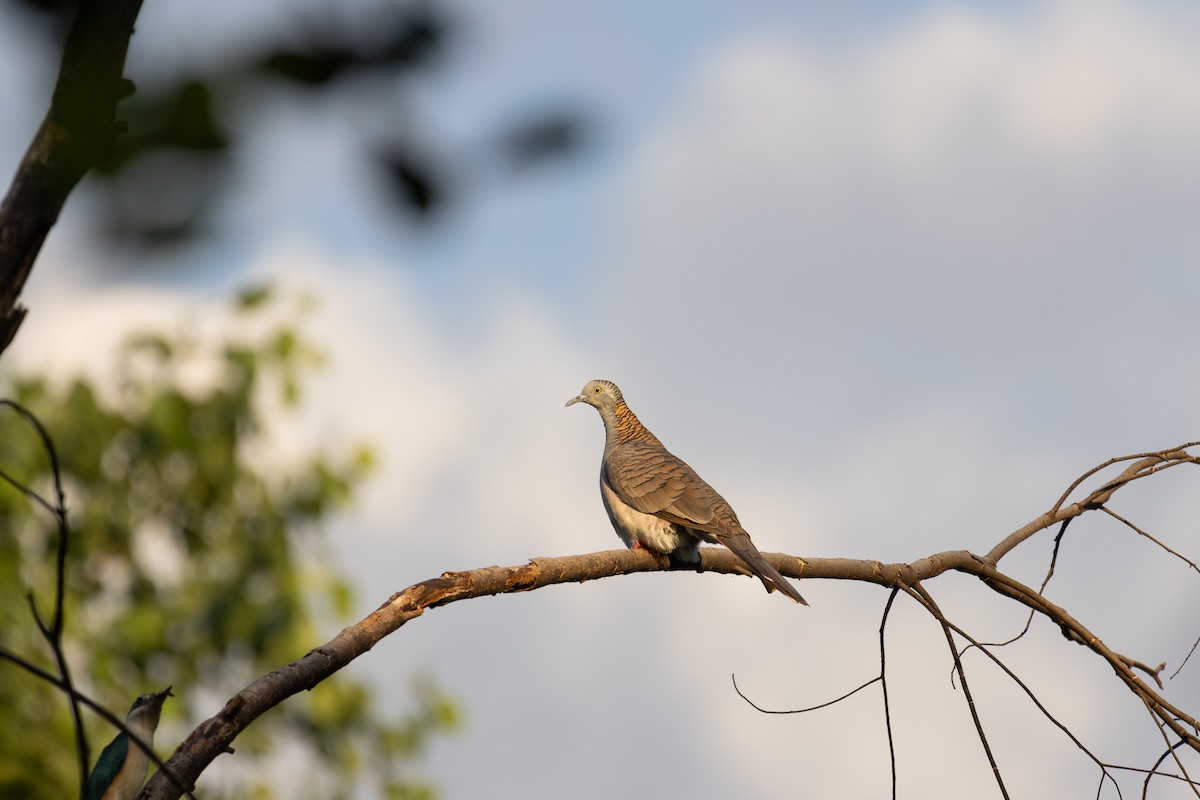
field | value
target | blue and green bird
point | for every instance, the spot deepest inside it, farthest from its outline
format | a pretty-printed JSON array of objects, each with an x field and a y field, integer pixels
[{"x": 121, "y": 769}]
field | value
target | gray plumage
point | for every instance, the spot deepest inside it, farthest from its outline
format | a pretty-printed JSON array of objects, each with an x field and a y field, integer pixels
[{"x": 657, "y": 502}]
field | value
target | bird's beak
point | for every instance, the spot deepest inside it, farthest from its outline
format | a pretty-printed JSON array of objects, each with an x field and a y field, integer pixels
[
  {"x": 157, "y": 700},
  {"x": 574, "y": 400}
]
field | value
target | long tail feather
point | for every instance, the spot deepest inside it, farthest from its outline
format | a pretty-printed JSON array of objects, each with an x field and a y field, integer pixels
[{"x": 744, "y": 549}]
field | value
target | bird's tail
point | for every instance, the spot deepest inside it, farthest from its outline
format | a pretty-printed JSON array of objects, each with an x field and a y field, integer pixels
[{"x": 744, "y": 549}]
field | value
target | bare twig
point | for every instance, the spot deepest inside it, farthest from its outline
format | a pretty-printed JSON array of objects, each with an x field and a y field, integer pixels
[
  {"x": 922, "y": 596},
  {"x": 1147, "y": 460},
  {"x": 826, "y": 704},
  {"x": 1156, "y": 715},
  {"x": 1154, "y": 769},
  {"x": 1140, "y": 532},
  {"x": 887, "y": 706},
  {"x": 986, "y": 650},
  {"x": 1146, "y": 465},
  {"x": 53, "y": 633},
  {"x": 97, "y": 709},
  {"x": 1058, "y": 537},
  {"x": 881, "y": 678},
  {"x": 1173, "y": 717},
  {"x": 1186, "y": 658}
]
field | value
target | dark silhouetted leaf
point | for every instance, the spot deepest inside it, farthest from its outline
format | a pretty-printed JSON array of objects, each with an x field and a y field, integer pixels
[
  {"x": 182, "y": 118},
  {"x": 535, "y": 141},
  {"x": 412, "y": 181},
  {"x": 308, "y": 68},
  {"x": 398, "y": 40}
]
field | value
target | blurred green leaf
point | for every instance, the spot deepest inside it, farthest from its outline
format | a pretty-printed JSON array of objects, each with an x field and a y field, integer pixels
[
  {"x": 253, "y": 297},
  {"x": 188, "y": 565}
]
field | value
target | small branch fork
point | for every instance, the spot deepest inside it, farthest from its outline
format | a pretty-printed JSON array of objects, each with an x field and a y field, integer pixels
[
  {"x": 1167, "y": 718},
  {"x": 53, "y": 632}
]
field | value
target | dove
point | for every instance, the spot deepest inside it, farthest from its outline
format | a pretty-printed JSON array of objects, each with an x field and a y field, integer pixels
[{"x": 657, "y": 502}]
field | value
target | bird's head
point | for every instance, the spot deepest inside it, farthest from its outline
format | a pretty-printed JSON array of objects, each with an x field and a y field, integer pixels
[
  {"x": 600, "y": 394},
  {"x": 148, "y": 707}
]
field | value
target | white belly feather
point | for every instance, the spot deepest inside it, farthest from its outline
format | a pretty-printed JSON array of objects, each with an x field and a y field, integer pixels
[{"x": 652, "y": 533}]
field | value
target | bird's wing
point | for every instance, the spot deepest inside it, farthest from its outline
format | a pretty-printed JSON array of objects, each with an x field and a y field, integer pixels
[
  {"x": 107, "y": 766},
  {"x": 652, "y": 480}
]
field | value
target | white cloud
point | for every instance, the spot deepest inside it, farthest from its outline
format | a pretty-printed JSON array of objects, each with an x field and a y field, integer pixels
[
  {"x": 969, "y": 207},
  {"x": 888, "y": 297}
]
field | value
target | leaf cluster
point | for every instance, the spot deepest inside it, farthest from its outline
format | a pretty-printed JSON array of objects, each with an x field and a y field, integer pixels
[{"x": 195, "y": 560}]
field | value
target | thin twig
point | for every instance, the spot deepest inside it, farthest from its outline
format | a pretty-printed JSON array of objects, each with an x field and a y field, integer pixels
[
  {"x": 1146, "y": 465},
  {"x": 881, "y": 678},
  {"x": 922, "y": 596},
  {"x": 887, "y": 707},
  {"x": 1141, "y": 532},
  {"x": 1172, "y": 716},
  {"x": 1156, "y": 716},
  {"x": 25, "y": 490},
  {"x": 986, "y": 650},
  {"x": 762, "y": 710},
  {"x": 1154, "y": 769},
  {"x": 1179, "y": 669},
  {"x": 1157, "y": 455},
  {"x": 1058, "y": 537},
  {"x": 53, "y": 633},
  {"x": 99, "y": 711}
]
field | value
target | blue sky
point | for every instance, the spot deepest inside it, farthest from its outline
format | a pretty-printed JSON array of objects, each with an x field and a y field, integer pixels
[{"x": 888, "y": 275}]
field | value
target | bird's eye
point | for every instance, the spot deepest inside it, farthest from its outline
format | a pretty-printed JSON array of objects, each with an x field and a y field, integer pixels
[{"x": 596, "y": 390}]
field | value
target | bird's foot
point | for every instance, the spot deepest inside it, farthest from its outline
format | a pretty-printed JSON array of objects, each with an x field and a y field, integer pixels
[{"x": 679, "y": 562}]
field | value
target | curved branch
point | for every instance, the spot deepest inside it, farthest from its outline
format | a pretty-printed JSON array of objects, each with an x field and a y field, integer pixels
[
  {"x": 99, "y": 710},
  {"x": 53, "y": 633},
  {"x": 919, "y": 593},
  {"x": 1147, "y": 464},
  {"x": 215, "y": 735},
  {"x": 881, "y": 678}
]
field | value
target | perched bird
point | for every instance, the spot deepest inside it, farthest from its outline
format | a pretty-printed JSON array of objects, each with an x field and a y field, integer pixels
[
  {"x": 657, "y": 502},
  {"x": 121, "y": 769}
]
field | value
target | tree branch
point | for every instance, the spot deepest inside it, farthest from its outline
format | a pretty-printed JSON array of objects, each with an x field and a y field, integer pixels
[
  {"x": 918, "y": 592},
  {"x": 215, "y": 735},
  {"x": 53, "y": 633},
  {"x": 1147, "y": 464},
  {"x": 79, "y": 126}
]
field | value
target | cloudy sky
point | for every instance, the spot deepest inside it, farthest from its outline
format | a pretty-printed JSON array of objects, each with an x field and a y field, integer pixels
[{"x": 888, "y": 275}]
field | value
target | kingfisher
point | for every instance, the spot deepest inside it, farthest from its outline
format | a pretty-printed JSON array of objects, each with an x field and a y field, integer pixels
[{"x": 121, "y": 769}]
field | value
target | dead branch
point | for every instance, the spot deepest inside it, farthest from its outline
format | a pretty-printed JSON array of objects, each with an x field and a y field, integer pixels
[
  {"x": 215, "y": 735},
  {"x": 1147, "y": 464}
]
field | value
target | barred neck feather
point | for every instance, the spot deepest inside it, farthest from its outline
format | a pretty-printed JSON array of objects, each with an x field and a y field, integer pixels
[{"x": 621, "y": 425}]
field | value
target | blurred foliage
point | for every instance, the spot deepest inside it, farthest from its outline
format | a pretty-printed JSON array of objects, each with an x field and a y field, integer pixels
[
  {"x": 165, "y": 177},
  {"x": 194, "y": 560}
]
